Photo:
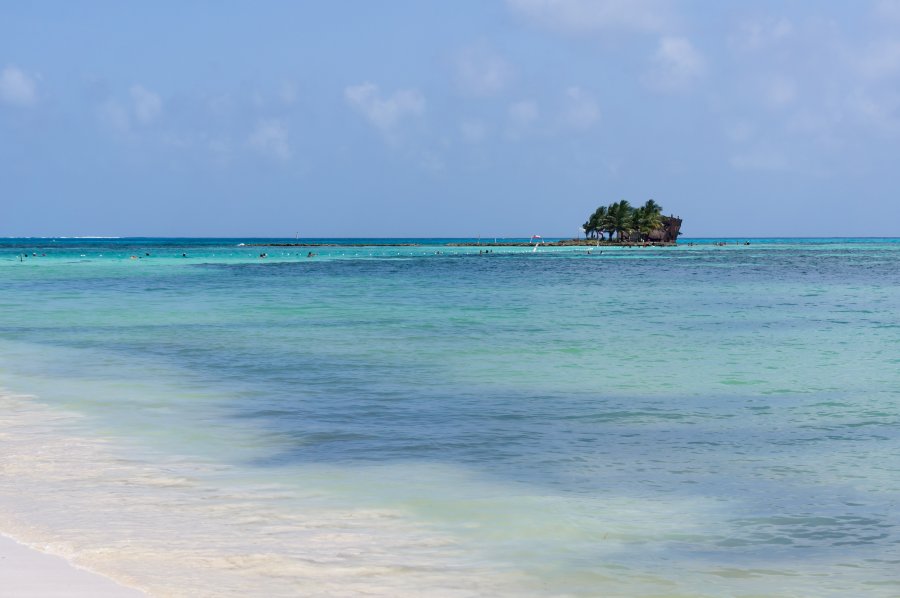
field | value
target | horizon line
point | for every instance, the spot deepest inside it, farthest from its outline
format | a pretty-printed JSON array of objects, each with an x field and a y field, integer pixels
[{"x": 483, "y": 237}]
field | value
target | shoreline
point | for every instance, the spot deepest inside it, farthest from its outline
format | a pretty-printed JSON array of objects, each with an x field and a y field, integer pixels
[
  {"x": 27, "y": 571},
  {"x": 33, "y": 563},
  {"x": 122, "y": 525}
]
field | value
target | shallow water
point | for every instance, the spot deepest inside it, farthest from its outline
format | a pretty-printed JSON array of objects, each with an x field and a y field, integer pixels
[{"x": 695, "y": 420}]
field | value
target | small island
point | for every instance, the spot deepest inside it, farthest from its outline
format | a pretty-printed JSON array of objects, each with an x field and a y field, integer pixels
[
  {"x": 626, "y": 224},
  {"x": 623, "y": 223}
]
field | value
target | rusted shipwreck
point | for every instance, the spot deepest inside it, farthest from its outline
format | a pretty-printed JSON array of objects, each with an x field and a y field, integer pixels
[{"x": 668, "y": 233}]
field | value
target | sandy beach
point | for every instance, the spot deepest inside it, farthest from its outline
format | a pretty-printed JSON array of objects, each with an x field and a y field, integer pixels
[{"x": 28, "y": 572}]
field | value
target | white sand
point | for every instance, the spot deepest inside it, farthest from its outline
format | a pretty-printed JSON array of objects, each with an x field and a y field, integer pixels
[{"x": 29, "y": 573}]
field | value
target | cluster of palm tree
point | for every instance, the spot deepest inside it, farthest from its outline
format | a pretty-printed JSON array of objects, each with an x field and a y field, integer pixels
[{"x": 621, "y": 220}]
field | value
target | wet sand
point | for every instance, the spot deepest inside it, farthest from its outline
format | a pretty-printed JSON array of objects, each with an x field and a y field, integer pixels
[{"x": 27, "y": 572}]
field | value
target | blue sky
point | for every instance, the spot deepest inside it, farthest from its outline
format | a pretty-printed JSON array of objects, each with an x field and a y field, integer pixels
[{"x": 463, "y": 118}]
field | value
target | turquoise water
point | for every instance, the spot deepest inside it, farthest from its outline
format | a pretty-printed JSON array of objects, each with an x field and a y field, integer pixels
[{"x": 429, "y": 420}]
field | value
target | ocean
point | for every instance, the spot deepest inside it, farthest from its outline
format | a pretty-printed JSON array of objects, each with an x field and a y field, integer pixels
[{"x": 188, "y": 417}]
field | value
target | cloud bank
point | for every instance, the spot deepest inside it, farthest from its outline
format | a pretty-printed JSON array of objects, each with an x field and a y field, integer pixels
[
  {"x": 385, "y": 113},
  {"x": 17, "y": 88},
  {"x": 587, "y": 16}
]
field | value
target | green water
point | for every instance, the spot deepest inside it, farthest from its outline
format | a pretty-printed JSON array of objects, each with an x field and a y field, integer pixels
[{"x": 432, "y": 420}]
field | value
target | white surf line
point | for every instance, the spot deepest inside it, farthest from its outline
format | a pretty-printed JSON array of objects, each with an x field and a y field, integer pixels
[{"x": 26, "y": 571}]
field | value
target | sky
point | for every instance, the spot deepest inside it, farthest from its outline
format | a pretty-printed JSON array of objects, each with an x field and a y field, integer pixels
[{"x": 447, "y": 119}]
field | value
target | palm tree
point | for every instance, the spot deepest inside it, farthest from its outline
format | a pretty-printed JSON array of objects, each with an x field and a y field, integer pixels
[
  {"x": 650, "y": 218},
  {"x": 652, "y": 206},
  {"x": 636, "y": 222},
  {"x": 608, "y": 225},
  {"x": 618, "y": 219},
  {"x": 588, "y": 229},
  {"x": 596, "y": 220},
  {"x": 650, "y": 221}
]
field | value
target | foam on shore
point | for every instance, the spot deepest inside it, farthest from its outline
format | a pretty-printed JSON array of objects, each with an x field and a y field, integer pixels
[
  {"x": 25, "y": 571},
  {"x": 164, "y": 527}
]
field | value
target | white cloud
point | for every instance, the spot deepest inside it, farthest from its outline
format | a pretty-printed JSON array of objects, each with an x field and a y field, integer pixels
[
  {"x": 270, "y": 138},
  {"x": 581, "y": 110},
  {"x": 780, "y": 91},
  {"x": 676, "y": 65},
  {"x": 880, "y": 59},
  {"x": 221, "y": 105},
  {"x": 385, "y": 113},
  {"x": 889, "y": 9},
  {"x": 524, "y": 113},
  {"x": 180, "y": 140},
  {"x": 17, "y": 88},
  {"x": 121, "y": 116},
  {"x": 147, "y": 105},
  {"x": 472, "y": 131},
  {"x": 756, "y": 34},
  {"x": 115, "y": 116},
  {"x": 880, "y": 112},
  {"x": 481, "y": 72},
  {"x": 522, "y": 117},
  {"x": 219, "y": 149},
  {"x": 585, "y": 16},
  {"x": 218, "y": 145},
  {"x": 289, "y": 92},
  {"x": 431, "y": 162},
  {"x": 740, "y": 132}
]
